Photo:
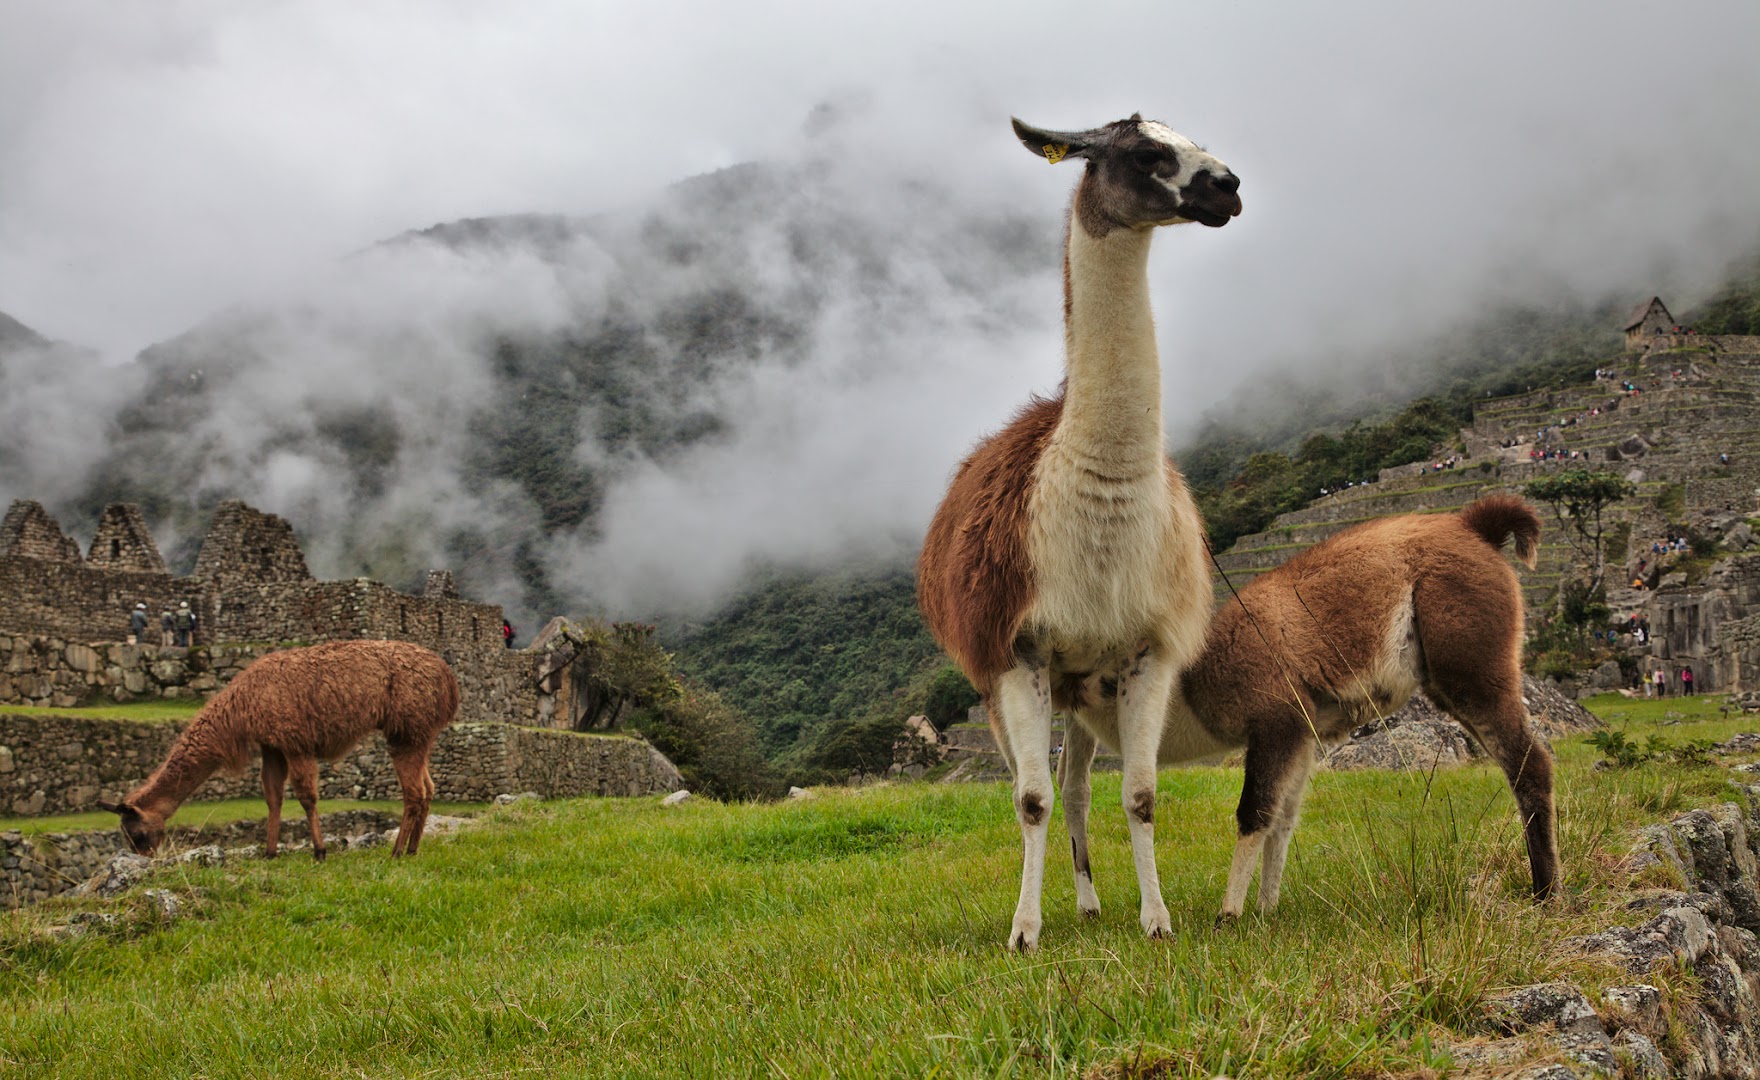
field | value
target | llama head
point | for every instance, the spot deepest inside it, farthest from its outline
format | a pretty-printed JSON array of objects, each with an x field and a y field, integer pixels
[
  {"x": 1141, "y": 173},
  {"x": 144, "y": 832}
]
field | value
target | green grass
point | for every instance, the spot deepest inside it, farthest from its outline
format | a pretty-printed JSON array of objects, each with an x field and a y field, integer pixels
[
  {"x": 156, "y": 710},
  {"x": 198, "y": 814},
  {"x": 858, "y": 933}
]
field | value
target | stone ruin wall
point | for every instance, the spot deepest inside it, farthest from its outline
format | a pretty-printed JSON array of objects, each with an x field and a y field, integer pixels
[
  {"x": 250, "y": 584},
  {"x": 73, "y": 600},
  {"x": 64, "y": 617},
  {"x": 313, "y": 611},
  {"x": 494, "y": 685},
  {"x": 52, "y": 764}
]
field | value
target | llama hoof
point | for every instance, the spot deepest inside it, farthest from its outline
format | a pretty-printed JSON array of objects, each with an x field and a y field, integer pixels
[
  {"x": 1156, "y": 924},
  {"x": 319, "y": 853},
  {"x": 1023, "y": 938},
  {"x": 1088, "y": 914},
  {"x": 1226, "y": 920}
]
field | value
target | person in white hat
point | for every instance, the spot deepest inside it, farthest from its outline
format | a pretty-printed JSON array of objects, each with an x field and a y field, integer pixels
[{"x": 137, "y": 624}]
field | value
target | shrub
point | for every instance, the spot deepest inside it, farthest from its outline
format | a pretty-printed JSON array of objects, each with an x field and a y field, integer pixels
[
  {"x": 1671, "y": 501},
  {"x": 864, "y": 747},
  {"x": 714, "y": 746},
  {"x": 948, "y": 697}
]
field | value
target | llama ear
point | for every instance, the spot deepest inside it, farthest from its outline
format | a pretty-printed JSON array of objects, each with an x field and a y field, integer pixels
[
  {"x": 1053, "y": 146},
  {"x": 109, "y": 807}
]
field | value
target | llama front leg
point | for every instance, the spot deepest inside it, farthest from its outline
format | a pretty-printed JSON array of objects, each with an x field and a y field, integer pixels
[
  {"x": 1275, "y": 757},
  {"x": 1143, "y": 691},
  {"x": 1289, "y": 812},
  {"x": 1023, "y": 699},
  {"x": 274, "y": 788},
  {"x": 1074, "y": 770},
  {"x": 302, "y": 773}
]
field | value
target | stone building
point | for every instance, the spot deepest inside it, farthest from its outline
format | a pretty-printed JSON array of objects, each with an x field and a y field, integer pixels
[
  {"x": 250, "y": 583},
  {"x": 1648, "y": 320}
]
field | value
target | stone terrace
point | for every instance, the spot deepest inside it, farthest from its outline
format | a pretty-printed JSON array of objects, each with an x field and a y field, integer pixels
[{"x": 1697, "y": 397}]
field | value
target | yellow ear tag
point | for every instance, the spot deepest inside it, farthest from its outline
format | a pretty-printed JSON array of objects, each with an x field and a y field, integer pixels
[{"x": 1054, "y": 152}]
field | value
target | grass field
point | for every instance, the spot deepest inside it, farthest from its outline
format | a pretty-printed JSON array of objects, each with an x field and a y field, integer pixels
[
  {"x": 859, "y": 933},
  {"x": 197, "y": 814},
  {"x": 161, "y": 709}
]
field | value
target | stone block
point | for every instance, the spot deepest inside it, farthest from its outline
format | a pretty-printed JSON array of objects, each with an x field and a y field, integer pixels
[
  {"x": 1557, "y": 1005},
  {"x": 1640, "y": 1004},
  {"x": 82, "y": 658},
  {"x": 1643, "y": 1059}
]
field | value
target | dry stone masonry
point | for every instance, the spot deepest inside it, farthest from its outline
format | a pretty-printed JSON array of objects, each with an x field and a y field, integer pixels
[
  {"x": 1692, "y": 428},
  {"x": 57, "y": 764},
  {"x": 1707, "y": 927}
]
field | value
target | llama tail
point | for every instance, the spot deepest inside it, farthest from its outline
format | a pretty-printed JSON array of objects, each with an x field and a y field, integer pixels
[{"x": 1497, "y": 518}]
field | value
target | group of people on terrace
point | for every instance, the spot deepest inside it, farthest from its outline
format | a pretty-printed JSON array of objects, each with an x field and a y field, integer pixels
[
  {"x": 177, "y": 627},
  {"x": 1674, "y": 543},
  {"x": 1656, "y": 682},
  {"x": 1325, "y": 491}
]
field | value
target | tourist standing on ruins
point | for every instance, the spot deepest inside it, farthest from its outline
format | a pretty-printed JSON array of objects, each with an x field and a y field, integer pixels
[
  {"x": 137, "y": 624},
  {"x": 183, "y": 622},
  {"x": 167, "y": 627},
  {"x": 506, "y": 634}
]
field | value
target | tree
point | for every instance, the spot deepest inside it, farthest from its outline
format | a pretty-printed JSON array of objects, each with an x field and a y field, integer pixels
[
  {"x": 1578, "y": 498},
  {"x": 948, "y": 697}
]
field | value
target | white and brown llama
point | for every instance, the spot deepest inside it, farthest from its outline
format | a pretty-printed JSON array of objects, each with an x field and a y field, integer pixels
[
  {"x": 299, "y": 706},
  {"x": 1341, "y": 635},
  {"x": 1067, "y": 548}
]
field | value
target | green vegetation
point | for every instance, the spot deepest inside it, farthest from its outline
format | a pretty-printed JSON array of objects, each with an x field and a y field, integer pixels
[
  {"x": 161, "y": 709},
  {"x": 1735, "y": 309},
  {"x": 858, "y": 932},
  {"x": 1272, "y": 483},
  {"x": 801, "y": 654},
  {"x": 199, "y": 814},
  {"x": 621, "y": 675},
  {"x": 1671, "y": 501},
  {"x": 1579, "y": 498}
]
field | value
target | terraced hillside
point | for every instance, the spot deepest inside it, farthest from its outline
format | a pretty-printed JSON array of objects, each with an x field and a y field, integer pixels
[{"x": 1696, "y": 398}]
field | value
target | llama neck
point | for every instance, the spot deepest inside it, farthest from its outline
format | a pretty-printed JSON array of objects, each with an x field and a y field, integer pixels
[
  {"x": 173, "y": 782},
  {"x": 1112, "y": 399}
]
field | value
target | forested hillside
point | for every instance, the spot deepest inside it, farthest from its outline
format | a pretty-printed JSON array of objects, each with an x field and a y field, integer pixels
[
  {"x": 803, "y": 654},
  {"x": 466, "y": 395}
]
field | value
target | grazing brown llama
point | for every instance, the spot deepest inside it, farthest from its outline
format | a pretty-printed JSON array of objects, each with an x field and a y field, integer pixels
[
  {"x": 1067, "y": 548},
  {"x": 1344, "y": 633},
  {"x": 299, "y": 705}
]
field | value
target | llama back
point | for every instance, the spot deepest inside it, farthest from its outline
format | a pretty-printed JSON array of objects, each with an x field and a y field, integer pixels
[{"x": 322, "y": 701}]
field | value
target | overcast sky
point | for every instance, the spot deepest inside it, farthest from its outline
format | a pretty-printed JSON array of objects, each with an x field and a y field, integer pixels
[
  {"x": 159, "y": 160},
  {"x": 1404, "y": 166}
]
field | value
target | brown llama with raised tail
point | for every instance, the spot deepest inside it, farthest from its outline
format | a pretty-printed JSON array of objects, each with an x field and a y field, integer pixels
[
  {"x": 1343, "y": 634},
  {"x": 1068, "y": 548},
  {"x": 300, "y": 705}
]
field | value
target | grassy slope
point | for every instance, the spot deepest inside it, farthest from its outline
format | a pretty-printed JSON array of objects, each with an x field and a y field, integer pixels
[
  {"x": 858, "y": 933},
  {"x": 163, "y": 709},
  {"x": 198, "y": 814}
]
